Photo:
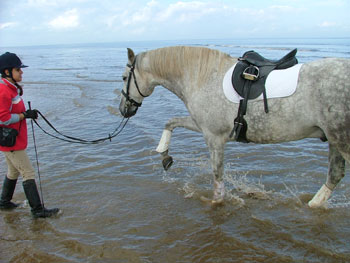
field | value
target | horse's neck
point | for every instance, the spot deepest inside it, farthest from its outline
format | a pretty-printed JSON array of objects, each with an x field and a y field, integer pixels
[
  {"x": 182, "y": 70},
  {"x": 167, "y": 74}
]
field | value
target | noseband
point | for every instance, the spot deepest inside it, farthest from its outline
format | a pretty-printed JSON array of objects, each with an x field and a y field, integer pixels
[{"x": 127, "y": 93}]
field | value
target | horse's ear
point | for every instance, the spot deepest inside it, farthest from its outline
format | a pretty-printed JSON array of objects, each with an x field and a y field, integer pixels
[{"x": 131, "y": 55}]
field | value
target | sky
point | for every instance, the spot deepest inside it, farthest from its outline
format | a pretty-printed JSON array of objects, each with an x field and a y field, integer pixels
[{"x": 45, "y": 22}]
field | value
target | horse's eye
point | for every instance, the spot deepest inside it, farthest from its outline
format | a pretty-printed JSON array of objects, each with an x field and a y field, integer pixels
[{"x": 124, "y": 78}]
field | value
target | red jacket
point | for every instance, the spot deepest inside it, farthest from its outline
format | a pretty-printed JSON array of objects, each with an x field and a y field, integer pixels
[{"x": 11, "y": 104}]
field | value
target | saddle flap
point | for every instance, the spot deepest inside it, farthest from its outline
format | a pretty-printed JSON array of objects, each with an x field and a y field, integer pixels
[{"x": 238, "y": 82}]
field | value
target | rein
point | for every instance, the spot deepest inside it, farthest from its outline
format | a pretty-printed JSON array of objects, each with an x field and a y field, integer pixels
[
  {"x": 37, "y": 160},
  {"x": 78, "y": 140},
  {"x": 127, "y": 93}
]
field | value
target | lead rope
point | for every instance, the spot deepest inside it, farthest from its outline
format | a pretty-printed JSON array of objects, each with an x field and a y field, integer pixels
[
  {"x": 37, "y": 161},
  {"x": 71, "y": 139}
]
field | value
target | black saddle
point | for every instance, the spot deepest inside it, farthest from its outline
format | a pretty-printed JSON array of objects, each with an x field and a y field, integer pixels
[
  {"x": 248, "y": 79},
  {"x": 256, "y": 59}
]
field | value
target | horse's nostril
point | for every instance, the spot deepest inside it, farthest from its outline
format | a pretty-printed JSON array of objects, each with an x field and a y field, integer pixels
[{"x": 127, "y": 111}]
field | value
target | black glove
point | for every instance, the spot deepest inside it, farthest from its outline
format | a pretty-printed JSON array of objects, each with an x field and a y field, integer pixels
[{"x": 30, "y": 114}]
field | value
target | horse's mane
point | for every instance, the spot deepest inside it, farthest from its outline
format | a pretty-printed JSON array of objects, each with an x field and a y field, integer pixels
[{"x": 174, "y": 62}]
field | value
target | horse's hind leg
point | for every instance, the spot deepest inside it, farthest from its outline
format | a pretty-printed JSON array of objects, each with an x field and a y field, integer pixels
[
  {"x": 163, "y": 146},
  {"x": 336, "y": 171}
]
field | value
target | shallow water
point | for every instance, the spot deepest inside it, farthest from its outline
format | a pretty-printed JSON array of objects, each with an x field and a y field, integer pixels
[{"x": 118, "y": 203}]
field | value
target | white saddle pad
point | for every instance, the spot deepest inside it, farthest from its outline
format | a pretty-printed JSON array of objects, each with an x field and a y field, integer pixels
[{"x": 279, "y": 83}]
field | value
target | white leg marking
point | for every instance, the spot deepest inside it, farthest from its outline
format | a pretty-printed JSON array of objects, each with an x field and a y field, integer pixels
[
  {"x": 164, "y": 141},
  {"x": 219, "y": 194},
  {"x": 320, "y": 197},
  {"x": 219, "y": 191}
]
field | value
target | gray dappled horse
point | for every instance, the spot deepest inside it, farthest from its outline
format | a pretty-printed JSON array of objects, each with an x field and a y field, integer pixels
[{"x": 320, "y": 107}]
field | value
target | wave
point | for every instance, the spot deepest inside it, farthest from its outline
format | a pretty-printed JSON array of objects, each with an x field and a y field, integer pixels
[{"x": 63, "y": 69}]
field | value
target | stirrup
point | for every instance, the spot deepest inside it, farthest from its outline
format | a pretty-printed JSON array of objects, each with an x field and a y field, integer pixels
[{"x": 250, "y": 75}]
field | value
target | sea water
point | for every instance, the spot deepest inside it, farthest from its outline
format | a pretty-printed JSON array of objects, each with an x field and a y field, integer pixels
[{"x": 118, "y": 203}]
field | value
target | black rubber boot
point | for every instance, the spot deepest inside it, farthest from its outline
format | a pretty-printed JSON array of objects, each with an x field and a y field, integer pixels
[
  {"x": 8, "y": 188},
  {"x": 32, "y": 194}
]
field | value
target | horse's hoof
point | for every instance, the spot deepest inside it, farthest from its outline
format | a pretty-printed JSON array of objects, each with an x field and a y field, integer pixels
[
  {"x": 212, "y": 201},
  {"x": 320, "y": 198},
  {"x": 167, "y": 162}
]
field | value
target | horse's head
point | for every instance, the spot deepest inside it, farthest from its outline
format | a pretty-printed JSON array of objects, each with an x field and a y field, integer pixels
[{"x": 135, "y": 88}]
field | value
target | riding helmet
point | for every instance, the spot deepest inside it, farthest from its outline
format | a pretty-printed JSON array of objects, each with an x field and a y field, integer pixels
[{"x": 10, "y": 60}]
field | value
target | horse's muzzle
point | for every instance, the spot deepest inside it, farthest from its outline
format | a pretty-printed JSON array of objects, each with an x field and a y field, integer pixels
[{"x": 127, "y": 109}]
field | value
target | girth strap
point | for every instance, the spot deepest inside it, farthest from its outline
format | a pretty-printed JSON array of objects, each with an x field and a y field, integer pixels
[
  {"x": 250, "y": 74},
  {"x": 240, "y": 125}
]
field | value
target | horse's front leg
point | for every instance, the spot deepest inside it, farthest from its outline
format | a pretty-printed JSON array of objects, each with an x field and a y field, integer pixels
[
  {"x": 163, "y": 146},
  {"x": 336, "y": 171},
  {"x": 216, "y": 148}
]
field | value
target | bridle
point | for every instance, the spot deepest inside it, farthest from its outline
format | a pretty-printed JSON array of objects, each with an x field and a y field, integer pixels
[{"x": 127, "y": 93}]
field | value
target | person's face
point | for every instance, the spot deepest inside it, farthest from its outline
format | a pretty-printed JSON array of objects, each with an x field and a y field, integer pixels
[{"x": 17, "y": 74}]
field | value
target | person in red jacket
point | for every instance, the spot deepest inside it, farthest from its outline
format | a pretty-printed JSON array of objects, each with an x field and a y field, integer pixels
[{"x": 13, "y": 114}]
